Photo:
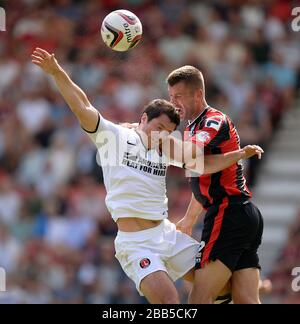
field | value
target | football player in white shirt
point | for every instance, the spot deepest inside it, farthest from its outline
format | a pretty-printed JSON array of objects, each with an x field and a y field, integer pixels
[{"x": 149, "y": 248}]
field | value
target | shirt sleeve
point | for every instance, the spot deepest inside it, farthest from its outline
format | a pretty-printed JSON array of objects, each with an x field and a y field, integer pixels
[
  {"x": 212, "y": 133},
  {"x": 176, "y": 163},
  {"x": 104, "y": 129}
]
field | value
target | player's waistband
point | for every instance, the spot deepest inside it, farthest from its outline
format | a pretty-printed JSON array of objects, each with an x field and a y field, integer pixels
[
  {"x": 144, "y": 234},
  {"x": 230, "y": 200},
  {"x": 238, "y": 200}
]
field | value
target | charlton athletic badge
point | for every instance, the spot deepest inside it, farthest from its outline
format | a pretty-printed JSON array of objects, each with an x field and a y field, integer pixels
[{"x": 144, "y": 263}]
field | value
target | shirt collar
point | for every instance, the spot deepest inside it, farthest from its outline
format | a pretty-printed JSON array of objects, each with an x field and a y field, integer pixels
[{"x": 200, "y": 115}]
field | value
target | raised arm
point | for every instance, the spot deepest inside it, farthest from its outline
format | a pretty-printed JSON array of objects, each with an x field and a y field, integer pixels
[
  {"x": 76, "y": 99},
  {"x": 219, "y": 162}
]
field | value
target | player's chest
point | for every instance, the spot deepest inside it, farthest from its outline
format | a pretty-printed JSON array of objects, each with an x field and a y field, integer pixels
[{"x": 137, "y": 159}]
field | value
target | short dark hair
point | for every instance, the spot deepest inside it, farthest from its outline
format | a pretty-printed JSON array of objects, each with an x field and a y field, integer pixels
[
  {"x": 158, "y": 107},
  {"x": 187, "y": 74}
]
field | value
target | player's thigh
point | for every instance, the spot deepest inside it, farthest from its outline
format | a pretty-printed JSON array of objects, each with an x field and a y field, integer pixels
[
  {"x": 190, "y": 276},
  {"x": 182, "y": 262},
  {"x": 211, "y": 280},
  {"x": 245, "y": 286},
  {"x": 226, "y": 289},
  {"x": 225, "y": 296},
  {"x": 158, "y": 288}
]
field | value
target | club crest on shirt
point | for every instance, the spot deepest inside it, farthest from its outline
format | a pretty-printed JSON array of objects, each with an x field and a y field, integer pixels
[
  {"x": 144, "y": 263},
  {"x": 203, "y": 137}
]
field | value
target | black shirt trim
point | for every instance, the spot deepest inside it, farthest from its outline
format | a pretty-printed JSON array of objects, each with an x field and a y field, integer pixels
[
  {"x": 199, "y": 116},
  {"x": 97, "y": 126}
]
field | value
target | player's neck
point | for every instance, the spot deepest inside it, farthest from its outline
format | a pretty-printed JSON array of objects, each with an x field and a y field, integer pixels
[
  {"x": 200, "y": 108},
  {"x": 143, "y": 136}
]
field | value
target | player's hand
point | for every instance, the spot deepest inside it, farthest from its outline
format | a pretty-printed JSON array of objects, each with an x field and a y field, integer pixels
[
  {"x": 265, "y": 286},
  {"x": 129, "y": 125},
  {"x": 185, "y": 225},
  {"x": 46, "y": 61},
  {"x": 251, "y": 150}
]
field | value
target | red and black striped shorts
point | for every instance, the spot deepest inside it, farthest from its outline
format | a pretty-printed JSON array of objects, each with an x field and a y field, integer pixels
[{"x": 232, "y": 233}]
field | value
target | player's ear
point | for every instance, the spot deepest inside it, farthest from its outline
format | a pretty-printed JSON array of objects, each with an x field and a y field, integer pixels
[
  {"x": 144, "y": 119},
  {"x": 199, "y": 94}
]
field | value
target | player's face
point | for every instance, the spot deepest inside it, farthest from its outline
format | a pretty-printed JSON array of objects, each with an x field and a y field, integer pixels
[
  {"x": 184, "y": 98},
  {"x": 157, "y": 128}
]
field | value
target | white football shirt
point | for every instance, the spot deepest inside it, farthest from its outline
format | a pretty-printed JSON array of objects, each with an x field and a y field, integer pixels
[{"x": 134, "y": 177}]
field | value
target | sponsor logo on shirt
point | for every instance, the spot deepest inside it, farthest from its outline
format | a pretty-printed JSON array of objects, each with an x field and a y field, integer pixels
[{"x": 131, "y": 143}]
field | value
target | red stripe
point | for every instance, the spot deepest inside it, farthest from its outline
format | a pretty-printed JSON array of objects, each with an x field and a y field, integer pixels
[
  {"x": 204, "y": 180},
  {"x": 135, "y": 41},
  {"x": 114, "y": 31},
  {"x": 215, "y": 232},
  {"x": 205, "y": 184},
  {"x": 130, "y": 20},
  {"x": 120, "y": 36}
]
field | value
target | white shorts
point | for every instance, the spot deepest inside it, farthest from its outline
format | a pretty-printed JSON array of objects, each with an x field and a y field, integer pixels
[{"x": 158, "y": 248}]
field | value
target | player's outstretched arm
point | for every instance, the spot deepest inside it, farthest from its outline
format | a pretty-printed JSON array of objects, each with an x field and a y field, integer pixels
[
  {"x": 219, "y": 162},
  {"x": 191, "y": 156},
  {"x": 77, "y": 100}
]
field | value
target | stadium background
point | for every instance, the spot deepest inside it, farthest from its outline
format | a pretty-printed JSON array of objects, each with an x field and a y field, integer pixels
[{"x": 56, "y": 237}]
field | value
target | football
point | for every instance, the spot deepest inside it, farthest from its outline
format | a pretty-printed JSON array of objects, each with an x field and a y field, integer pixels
[{"x": 121, "y": 30}]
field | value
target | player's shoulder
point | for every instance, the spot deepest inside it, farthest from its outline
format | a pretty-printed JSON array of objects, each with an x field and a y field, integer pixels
[
  {"x": 214, "y": 119},
  {"x": 215, "y": 113},
  {"x": 122, "y": 129},
  {"x": 108, "y": 128}
]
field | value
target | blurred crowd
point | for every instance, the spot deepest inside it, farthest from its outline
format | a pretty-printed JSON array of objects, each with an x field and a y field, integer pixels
[
  {"x": 288, "y": 259},
  {"x": 56, "y": 236}
]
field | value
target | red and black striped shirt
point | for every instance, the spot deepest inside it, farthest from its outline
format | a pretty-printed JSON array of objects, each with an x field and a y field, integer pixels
[{"x": 217, "y": 133}]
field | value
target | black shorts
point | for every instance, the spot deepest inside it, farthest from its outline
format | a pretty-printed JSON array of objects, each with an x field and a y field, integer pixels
[{"x": 232, "y": 234}]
